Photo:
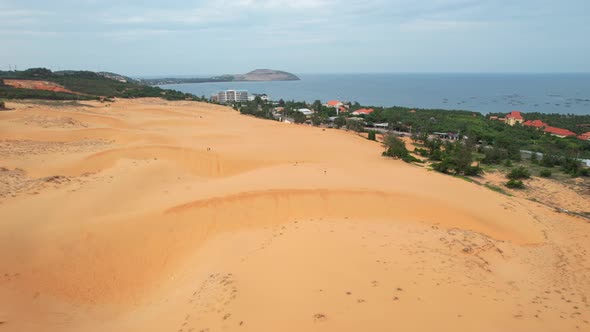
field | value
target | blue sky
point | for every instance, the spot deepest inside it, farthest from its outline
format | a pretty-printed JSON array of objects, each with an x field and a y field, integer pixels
[{"x": 303, "y": 36}]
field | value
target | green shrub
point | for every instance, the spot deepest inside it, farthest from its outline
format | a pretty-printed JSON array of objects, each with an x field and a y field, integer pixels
[
  {"x": 515, "y": 184},
  {"x": 571, "y": 166},
  {"x": 519, "y": 173},
  {"x": 444, "y": 166},
  {"x": 493, "y": 155},
  {"x": 299, "y": 117},
  {"x": 473, "y": 171},
  {"x": 372, "y": 135},
  {"x": 395, "y": 147},
  {"x": 355, "y": 125},
  {"x": 508, "y": 163},
  {"x": 422, "y": 152},
  {"x": 436, "y": 155},
  {"x": 316, "y": 120},
  {"x": 2, "y": 105},
  {"x": 339, "y": 122},
  {"x": 549, "y": 160},
  {"x": 411, "y": 159},
  {"x": 545, "y": 173}
]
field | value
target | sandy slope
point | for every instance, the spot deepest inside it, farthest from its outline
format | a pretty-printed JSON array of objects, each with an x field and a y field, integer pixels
[{"x": 148, "y": 215}]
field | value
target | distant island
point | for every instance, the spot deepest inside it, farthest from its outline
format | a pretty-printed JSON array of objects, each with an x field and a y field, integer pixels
[{"x": 258, "y": 75}]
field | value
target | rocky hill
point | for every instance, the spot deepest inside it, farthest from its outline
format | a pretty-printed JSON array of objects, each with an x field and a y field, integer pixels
[
  {"x": 258, "y": 75},
  {"x": 266, "y": 75}
]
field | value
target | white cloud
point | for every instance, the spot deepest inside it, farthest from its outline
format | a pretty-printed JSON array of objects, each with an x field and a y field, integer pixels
[{"x": 219, "y": 11}]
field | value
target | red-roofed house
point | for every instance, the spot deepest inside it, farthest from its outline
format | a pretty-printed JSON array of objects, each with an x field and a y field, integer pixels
[
  {"x": 334, "y": 103},
  {"x": 559, "y": 132},
  {"x": 343, "y": 109},
  {"x": 337, "y": 104},
  {"x": 494, "y": 118},
  {"x": 363, "y": 111},
  {"x": 585, "y": 136},
  {"x": 514, "y": 117},
  {"x": 535, "y": 123}
]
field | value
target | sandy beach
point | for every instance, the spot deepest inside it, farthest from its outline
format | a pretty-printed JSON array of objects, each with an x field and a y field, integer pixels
[{"x": 148, "y": 215}]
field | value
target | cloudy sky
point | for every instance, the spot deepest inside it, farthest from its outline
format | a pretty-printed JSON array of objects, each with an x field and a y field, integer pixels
[{"x": 204, "y": 37}]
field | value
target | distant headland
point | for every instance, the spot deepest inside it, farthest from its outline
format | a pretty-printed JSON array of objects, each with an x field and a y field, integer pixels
[{"x": 258, "y": 75}]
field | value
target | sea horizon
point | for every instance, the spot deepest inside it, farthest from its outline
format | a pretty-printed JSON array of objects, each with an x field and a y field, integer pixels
[
  {"x": 155, "y": 76},
  {"x": 562, "y": 93}
]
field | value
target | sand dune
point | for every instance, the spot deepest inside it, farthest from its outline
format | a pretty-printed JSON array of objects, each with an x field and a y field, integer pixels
[{"x": 148, "y": 215}]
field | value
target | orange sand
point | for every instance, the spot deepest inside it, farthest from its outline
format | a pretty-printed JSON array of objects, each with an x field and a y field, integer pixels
[{"x": 146, "y": 215}]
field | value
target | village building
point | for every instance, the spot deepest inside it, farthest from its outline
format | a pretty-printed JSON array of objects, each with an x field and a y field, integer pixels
[
  {"x": 263, "y": 97},
  {"x": 334, "y": 104},
  {"x": 363, "y": 111},
  {"x": 559, "y": 132},
  {"x": 513, "y": 118},
  {"x": 305, "y": 111},
  {"x": 449, "y": 136},
  {"x": 535, "y": 123}
]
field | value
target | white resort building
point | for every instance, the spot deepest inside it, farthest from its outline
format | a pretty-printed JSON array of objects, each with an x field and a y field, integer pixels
[{"x": 229, "y": 96}]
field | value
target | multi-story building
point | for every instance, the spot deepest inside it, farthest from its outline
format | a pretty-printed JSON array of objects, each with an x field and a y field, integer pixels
[{"x": 229, "y": 96}]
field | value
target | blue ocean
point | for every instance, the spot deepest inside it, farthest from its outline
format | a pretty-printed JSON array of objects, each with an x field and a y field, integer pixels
[{"x": 485, "y": 93}]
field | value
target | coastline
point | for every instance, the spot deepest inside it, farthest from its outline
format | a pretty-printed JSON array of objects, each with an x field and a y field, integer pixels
[{"x": 492, "y": 92}]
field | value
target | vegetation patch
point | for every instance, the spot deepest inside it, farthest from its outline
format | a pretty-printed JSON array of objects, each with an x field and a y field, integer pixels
[
  {"x": 42, "y": 83},
  {"x": 518, "y": 173},
  {"x": 515, "y": 184},
  {"x": 396, "y": 148},
  {"x": 497, "y": 189},
  {"x": 545, "y": 173}
]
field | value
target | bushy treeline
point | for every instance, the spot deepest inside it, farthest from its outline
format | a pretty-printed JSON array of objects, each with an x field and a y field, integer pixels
[
  {"x": 9, "y": 92},
  {"x": 90, "y": 84}
]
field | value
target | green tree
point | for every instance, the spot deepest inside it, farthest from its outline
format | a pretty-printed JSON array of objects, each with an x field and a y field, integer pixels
[
  {"x": 316, "y": 119},
  {"x": 339, "y": 122},
  {"x": 356, "y": 125},
  {"x": 396, "y": 147},
  {"x": 299, "y": 117},
  {"x": 457, "y": 158},
  {"x": 433, "y": 145},
  {"x": 316, "y": 106},
  {"x": 372, "y": 135}
]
